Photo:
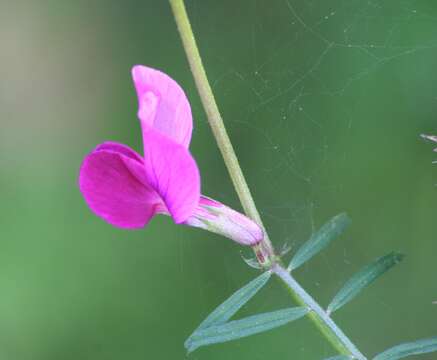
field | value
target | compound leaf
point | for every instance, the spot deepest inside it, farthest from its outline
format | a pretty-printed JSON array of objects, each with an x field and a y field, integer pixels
[
  {"x": 362, "y": 279},
  {"x": 234, "y": 303},
  {"x": 417, "y": 347},
  {"x": 237, "y": 329},
  {"x": 320, "y": 239}
]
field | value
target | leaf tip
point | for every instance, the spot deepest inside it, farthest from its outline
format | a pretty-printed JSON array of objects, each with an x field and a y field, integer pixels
[
  {"x": 395, "y": 257},
  {"x": 189, "y": 346},
  {"x": 398, "y": 256},
  {"x": 344, "y": 216}
]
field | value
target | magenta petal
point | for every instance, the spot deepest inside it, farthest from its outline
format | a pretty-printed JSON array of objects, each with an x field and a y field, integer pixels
[
  {"x": 120, "y": 148},
  {"x": 173, "y": 173},
  {"x": 132, "y": 160},
  {"x": 163, "y": 104},
  {"x": 113, "y": 191}
]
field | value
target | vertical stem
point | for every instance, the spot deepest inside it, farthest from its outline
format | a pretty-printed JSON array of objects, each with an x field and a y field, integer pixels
[
  {"x": 317, "y": 315},
  {"x": 214, "y": 118}
]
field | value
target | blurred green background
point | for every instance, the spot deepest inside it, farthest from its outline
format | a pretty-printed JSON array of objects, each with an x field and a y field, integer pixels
[{"x": 324, "y": 101}]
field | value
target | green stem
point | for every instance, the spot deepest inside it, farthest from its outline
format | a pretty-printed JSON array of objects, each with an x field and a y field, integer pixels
[
  {"x": 215, "y": 119},
  {"x": 319, "y": 317}
]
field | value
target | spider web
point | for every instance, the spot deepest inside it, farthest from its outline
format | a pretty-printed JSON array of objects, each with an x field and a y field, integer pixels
[
  {"x": 319, "y": 54},
  {"x": 317, "y": 57}
]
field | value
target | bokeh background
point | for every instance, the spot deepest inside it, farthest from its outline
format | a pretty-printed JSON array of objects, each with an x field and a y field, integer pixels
[{"x": 324, "y": 100}]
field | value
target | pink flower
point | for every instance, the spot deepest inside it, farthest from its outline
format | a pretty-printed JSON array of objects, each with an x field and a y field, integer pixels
[{"x": 127, "y": 190}]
